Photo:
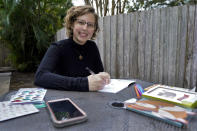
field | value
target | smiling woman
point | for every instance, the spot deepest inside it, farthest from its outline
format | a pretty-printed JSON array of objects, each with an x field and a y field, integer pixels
[
  {"x": 65, "y": 64},
  {"x": 83, "y": 30}
]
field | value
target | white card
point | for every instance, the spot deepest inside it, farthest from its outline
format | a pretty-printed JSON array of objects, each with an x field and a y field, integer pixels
[
  {"x": 9, "y": 110},
  {"x": 116, "y": 85}
]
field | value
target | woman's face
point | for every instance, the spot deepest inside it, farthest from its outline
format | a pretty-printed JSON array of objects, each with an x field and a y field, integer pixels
[{"x": 83, "y": 28}]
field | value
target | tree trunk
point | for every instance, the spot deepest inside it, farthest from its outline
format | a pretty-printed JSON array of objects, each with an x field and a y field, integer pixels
[
  {"x": 97, "y": 6},
  {"x": 113, "y": 7},
  {"x": 101, "y": 7},
  {"x": 123, "y": 7},
  {"x": 106, "y": 7}
]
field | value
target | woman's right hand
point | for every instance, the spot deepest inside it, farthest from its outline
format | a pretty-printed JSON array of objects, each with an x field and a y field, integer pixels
[{"x": 98, "y": 81}]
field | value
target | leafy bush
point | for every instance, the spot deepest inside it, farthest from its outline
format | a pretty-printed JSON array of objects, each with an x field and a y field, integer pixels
[{"x": 27, "y": 27}]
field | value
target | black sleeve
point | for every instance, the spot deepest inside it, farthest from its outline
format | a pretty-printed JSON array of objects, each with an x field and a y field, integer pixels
[{"x": 45, "y": 76}]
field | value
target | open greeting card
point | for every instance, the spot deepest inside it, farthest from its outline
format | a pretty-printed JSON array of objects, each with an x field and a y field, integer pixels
[
  {"x": 174, "y": 95},
  {"x": 116, "y": 85},
  {"x": 167, "y": 112}
]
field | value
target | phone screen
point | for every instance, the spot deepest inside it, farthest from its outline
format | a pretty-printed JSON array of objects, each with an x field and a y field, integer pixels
[{"x": 64, "y": 110}]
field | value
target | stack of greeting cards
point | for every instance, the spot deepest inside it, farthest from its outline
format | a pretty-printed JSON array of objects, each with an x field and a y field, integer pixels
[
  {"x": 24, "y": 102},
  {"x": 164, "y": 111},
  {"x": 29, "y": 95},
  {"x": 169, "y": 104}
]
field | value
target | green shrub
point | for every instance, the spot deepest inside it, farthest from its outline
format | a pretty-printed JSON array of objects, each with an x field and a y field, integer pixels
[{"x": 27, "y": 27}]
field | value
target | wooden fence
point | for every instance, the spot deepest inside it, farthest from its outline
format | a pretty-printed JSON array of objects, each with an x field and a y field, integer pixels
[{"x": 158, "y": 45}]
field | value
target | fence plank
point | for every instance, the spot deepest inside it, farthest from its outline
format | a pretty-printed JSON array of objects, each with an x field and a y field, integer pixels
[
  {"x": 170, "y": 46},
  {"x": 107, "y": 42},
  {"x": 120, "y": 47},
  {"x": 165, "y": 32},
  {"x": 147, "y": 46},
  {"x": 61, "y": 34},
  {"x": 141, "y": 43},
  {"x": 113, "y": 47},
  {"x": 194, "y": 84},
  {"x": 193, "y": 74},
  {"x": 173, "y": 45},
  {"x": 126, "y": 47},
  {"x": 181, "y": 46},
  {"x": 155, "y": 47},
  {"x": 162, "y": 44},
  {"x": 133, "y": 46},
  {"x": 191, "y": 84},
  {"x": 189, "y": 44},
  {"x": 99, "y": 39}
]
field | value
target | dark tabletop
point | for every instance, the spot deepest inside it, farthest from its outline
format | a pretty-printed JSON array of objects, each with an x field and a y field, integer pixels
[{"x": 101, "y": 115}]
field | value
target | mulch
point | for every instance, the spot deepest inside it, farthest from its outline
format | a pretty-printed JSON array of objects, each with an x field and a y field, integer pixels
[{"x": 21, "y": 80}]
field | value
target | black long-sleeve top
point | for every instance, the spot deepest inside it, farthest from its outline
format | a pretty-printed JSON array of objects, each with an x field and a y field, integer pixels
[{"x": 62, "y": 69}]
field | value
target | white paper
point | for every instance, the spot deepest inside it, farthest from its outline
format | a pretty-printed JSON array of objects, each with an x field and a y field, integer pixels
[
  {"x": 116, "y": 85},
  {"x": 9, "y": 110},
  {"x": 129, "y": 101}
]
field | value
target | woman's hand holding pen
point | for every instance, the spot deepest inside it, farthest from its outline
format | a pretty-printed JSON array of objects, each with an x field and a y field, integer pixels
[
  {"x": 98, "y": 81},
  {"x": 106, "y": 77}
]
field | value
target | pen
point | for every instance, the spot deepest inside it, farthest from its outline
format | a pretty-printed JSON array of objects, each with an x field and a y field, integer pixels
[
  {"x": 140, "y": 88},
  {"x": 91, "y": 72},
  {"x": 137, "y": 93}
]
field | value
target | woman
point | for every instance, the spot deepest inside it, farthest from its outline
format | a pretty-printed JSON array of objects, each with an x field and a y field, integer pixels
[{"x": 67, "y": 64}]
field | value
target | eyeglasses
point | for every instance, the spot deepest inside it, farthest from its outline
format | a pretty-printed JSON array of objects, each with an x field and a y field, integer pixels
[{"x": 83, "y": 22}]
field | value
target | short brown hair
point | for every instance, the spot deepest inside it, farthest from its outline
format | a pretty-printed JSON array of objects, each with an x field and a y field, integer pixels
[{"x": 75, "y": 12}]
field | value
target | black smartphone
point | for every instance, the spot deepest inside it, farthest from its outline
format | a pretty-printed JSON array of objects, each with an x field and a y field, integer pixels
[{"x": 65, "y": 112}]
